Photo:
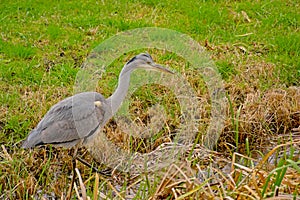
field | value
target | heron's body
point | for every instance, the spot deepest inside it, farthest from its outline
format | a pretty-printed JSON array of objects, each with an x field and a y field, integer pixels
[{"x": 62, "y": 124}]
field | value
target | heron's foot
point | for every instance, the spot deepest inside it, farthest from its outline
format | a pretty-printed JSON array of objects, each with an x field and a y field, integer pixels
[{"x": 105, "y": 173}]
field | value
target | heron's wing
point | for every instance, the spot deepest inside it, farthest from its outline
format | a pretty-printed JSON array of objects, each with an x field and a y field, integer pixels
[
  {"x": 60, "y": 133},
  {"x": 68, "y": 121}
]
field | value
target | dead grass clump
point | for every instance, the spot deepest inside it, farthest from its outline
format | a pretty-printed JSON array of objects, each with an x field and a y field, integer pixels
[
  {"x": 263, "y": 116},
  {"x": 256, "y": 74}
]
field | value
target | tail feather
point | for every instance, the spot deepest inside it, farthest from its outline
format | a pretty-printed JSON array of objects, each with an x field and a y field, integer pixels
[{"x": 32, "y": 140}]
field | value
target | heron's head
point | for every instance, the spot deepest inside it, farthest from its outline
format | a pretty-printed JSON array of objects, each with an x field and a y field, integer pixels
[{"x": 145, "y": 61}]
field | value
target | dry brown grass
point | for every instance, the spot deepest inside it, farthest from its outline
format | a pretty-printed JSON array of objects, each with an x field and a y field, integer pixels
[
  {"x": 206, "y": 175},
  {"x": 264, "y": 117}
]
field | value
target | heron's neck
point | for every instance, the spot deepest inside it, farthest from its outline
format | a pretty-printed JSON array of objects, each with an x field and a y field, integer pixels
[{"x": 116, "y": 99}]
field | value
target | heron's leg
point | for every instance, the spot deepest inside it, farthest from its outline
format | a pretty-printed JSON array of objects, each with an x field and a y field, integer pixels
[{"x": 73, "y": 173}]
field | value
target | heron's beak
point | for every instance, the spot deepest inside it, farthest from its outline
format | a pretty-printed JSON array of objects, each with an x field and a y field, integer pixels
[{"x": 158, "y": 67}]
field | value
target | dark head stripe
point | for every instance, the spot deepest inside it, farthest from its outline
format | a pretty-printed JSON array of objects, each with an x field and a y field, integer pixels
[
  {"x": 131, "y": 60},
  {"x": 135, "y": 57}
]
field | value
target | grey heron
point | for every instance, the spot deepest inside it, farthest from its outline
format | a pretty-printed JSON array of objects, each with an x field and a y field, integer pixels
[{"x": 74, "y": 120}]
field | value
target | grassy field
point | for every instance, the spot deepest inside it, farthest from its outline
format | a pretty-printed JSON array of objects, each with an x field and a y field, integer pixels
[{"x": 256, "y": 47}]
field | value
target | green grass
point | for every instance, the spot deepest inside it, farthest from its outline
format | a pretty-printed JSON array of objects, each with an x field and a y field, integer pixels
[{"x": 43, "y": 44}]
